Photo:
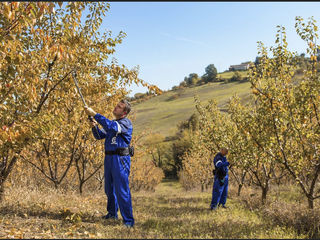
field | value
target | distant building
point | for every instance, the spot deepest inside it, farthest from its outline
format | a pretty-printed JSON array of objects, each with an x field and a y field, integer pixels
[{"x": 242, "y": 66}]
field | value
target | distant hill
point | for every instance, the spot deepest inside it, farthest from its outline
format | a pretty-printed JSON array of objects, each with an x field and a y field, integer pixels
[{"x": 163, "y": 113}]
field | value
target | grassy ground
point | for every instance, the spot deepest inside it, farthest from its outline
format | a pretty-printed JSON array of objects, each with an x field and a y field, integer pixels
[
  {"x": 228, "y": 75},
  {"x": 164, "y": 112},
  {"x": 169, "y": 212}
]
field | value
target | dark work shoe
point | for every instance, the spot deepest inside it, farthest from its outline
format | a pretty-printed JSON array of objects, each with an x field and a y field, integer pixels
[
  {"x": 223, "y": 206},
  {"x": 109, "y": 216}
]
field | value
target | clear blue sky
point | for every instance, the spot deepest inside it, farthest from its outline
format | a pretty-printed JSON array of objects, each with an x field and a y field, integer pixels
[{"x": 170, "y": 40}]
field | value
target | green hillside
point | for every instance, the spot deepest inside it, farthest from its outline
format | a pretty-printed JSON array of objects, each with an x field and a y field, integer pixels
[
  {"x": 163, "y": 113},
  {"x": 228, "y": 75}
]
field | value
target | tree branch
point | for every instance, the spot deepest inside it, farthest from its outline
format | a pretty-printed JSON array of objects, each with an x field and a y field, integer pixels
[{"x": 51, "y": 90}]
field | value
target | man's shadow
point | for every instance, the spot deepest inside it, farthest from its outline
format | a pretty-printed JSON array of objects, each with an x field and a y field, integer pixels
[{"x": 64, "y": 215}]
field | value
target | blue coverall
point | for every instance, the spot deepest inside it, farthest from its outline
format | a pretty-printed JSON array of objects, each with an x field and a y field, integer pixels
[
  {"x": 220, "y": 186},
  {"x": 116, "y": 168}
]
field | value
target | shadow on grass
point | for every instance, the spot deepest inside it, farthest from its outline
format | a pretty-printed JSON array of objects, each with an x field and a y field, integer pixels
[
  {"x": 169, "y": 200},
  {"x": 161, "y": 225},
  {"x": 65, "y": 215},
  {"x": 177, "y": 211},
  {"x": 24, "y": 213},
  {"x": 204, "y": 228}
]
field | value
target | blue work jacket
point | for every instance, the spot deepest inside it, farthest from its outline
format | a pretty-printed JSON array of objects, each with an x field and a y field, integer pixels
[
  {"x": 220, "y": 162},
  {"x": 117, "y": 133}
]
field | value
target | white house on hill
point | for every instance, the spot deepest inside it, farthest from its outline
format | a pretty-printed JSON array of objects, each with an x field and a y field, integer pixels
[{"x": 242, "y": 66}]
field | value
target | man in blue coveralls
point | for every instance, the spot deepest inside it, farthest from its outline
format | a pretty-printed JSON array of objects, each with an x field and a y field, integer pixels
[
  {"x": 221, "y": 179},
  {"x": 117, "y": 134}
]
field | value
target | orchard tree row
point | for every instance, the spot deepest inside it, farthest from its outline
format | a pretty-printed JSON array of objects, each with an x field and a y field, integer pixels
[
  {"x": 274, "y": 136},
  {"x": 42, "y": 46}
]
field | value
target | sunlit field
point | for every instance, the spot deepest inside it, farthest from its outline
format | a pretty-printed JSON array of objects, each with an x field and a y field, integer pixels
[{"x": 168, "y": 212}]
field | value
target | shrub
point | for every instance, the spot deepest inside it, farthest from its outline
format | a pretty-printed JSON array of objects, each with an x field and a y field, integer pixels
[{"x": 304, "y": 220}]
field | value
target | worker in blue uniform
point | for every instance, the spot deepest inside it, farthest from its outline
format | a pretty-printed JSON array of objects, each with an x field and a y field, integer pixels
[
  {"x": 117, "y": 134},
  {"x": 221, "y": 180}
]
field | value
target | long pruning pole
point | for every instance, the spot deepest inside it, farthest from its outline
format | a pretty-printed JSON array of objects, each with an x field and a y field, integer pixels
[{"x": 74, "y": 75}]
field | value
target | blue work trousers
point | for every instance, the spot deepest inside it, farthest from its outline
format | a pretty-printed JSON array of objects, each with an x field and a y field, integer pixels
[
  {"x": 116, "y": 173},
  {"x": 219, "y": 193}
]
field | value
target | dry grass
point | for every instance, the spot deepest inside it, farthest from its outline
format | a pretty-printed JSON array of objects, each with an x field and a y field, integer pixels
[
  {"x": 286, "y": 206},
  {"x": 169, "y": 212}
]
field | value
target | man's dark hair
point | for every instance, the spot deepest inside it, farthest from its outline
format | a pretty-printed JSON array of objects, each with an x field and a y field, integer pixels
[
  {"x": 224, "y": 148},
  {"x": 127, "y": 108}
]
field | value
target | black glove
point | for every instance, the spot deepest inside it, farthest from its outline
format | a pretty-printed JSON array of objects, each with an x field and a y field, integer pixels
[{"x": 90, "y": 118}]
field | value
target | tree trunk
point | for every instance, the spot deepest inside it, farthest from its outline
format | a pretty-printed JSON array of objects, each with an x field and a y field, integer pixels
[
  {"x": 1, "y": 190},
  {"x": 264, "y": 195},
  {"x": 239, "y": 189},
  {"x": 5, "y": 173},
  {"x": 100, "y": 185},
  {"x": 80, "y": 187},
  {"x": 310, "y": 203}
]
